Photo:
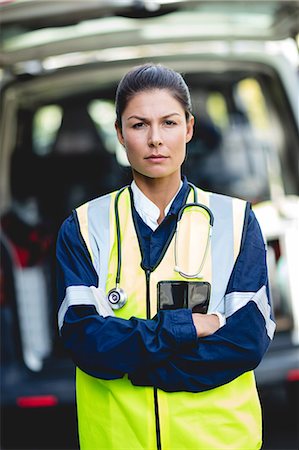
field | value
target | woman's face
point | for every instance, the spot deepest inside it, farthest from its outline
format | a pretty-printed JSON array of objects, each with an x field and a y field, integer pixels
[{"x": 155, "y": 132}]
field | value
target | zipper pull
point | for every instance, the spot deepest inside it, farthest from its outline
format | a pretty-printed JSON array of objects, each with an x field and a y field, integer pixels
[
  {"x": 148, "y": 295},
  {"x": 147, "y": 275}
]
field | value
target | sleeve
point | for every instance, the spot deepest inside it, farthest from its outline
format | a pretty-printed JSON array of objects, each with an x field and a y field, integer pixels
[
  {"x": 108, "y": 347},
  {"x": 240, "y": 344}
]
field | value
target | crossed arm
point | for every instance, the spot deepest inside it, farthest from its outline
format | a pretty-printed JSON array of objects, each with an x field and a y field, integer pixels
[{"x": 176, "y": 350}]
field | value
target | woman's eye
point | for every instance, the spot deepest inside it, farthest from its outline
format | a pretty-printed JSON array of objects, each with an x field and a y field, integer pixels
[
  {"x": 169, "y": 122},
  {"x": 138, "y": 125}
]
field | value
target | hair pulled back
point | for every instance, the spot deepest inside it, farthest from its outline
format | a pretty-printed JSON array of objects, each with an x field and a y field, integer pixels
[{"x": 148, "y": 77}]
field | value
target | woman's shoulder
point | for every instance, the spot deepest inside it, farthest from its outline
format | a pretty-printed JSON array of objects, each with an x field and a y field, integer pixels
[
  {"x": 223, "y": 199},
  {"x": 86, "y": 208},
  {"x": 228, "y": 198},
  {"x": 98, "y": 207},
  {"x": 95, "y": 202}
]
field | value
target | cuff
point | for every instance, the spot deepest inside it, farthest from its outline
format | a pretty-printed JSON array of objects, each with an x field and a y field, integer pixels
[
  {"x": 183, "y": 327},
  {"x": 221, "y": 317}
]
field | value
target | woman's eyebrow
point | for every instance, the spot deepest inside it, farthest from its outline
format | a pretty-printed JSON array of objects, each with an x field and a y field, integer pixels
[
  {"x": 171, "y": 114},
  {"x": 144, "y": 118},
  {"x": 136, "y": 117}
]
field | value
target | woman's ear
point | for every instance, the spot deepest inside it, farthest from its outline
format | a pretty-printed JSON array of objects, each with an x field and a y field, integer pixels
[
  {"x": 119, "y": 133},
  {"x": 190, "y": 128}
]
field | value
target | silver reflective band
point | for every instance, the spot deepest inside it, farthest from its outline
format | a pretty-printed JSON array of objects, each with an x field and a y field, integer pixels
[
  {"x": 223, "y": 235},
  {"x": 84, "y": 295},
  {"x": 236, "y": 300},
  {"x": 94, "y": 223},
  {"x": 99, "y": 235}
]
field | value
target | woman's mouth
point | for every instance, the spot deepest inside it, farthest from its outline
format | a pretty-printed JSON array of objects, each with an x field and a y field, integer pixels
[{"x": 156, "y": 158}]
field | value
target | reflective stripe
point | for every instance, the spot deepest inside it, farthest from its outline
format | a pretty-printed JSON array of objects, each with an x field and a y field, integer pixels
[
  {"x": 83, "y": 222},
  {"x": 236, "y": 300},
  {"x": 238, "y": 224},
  {"x": 99, "y": 235},
  {"x": 76, "y": 296},
  {"x": 222, "y": 249}
]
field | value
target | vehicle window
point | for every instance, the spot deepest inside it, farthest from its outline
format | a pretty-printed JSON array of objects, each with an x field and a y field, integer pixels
[
  {"x": 232, "y": 141},
  {"x": 252, "y": 100},
  {"x": 74, "y": 128},
  {"x": 46, "y": 123},
  {"x": 74, "y": 142},
  {"x": 217, "y": 109}
]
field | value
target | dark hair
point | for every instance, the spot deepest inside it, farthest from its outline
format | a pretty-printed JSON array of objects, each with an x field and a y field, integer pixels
[{"x": 147, "y": 77}]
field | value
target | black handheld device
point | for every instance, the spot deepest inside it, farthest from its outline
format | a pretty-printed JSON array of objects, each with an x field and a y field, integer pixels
[{"x": 194, "y": 295}]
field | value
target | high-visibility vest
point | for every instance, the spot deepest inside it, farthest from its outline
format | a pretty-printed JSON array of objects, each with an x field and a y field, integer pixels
[{"x": 114, "y": 414}]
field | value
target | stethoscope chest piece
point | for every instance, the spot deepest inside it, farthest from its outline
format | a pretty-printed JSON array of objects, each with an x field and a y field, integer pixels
[{"x": 117, "y": 298}]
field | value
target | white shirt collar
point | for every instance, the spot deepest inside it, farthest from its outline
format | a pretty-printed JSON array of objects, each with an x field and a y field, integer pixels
[{"x": 147, "y": 210}]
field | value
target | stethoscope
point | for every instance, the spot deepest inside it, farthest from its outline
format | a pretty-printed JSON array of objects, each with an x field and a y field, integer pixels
[{"x": 117, "y": 297}]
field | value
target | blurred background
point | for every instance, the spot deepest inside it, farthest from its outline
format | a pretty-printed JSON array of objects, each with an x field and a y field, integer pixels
[{"x": 60, "y": 65}]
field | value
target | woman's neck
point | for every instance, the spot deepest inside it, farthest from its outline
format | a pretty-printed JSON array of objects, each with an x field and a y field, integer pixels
[{"x": 159, "y": 190}]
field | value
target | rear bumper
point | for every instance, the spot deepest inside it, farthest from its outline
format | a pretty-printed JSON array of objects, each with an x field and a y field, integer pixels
[
  {"x": 281, "y": 358},
  {"x": 38, "y": 410},
  {"x": 56, "y": 380}
]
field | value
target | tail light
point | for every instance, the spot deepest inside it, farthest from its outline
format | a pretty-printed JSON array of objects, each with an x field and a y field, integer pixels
[{"x": 37, "y": 401}]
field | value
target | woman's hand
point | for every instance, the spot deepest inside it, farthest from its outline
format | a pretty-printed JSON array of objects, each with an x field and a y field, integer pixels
[{"x": 205, "y": 324}]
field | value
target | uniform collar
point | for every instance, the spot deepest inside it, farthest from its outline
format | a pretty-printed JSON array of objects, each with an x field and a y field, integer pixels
[{"x": 149, "y": 212}]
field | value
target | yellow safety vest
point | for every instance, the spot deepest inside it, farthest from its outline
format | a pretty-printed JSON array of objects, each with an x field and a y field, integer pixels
[{"x": 114, "y": 414}]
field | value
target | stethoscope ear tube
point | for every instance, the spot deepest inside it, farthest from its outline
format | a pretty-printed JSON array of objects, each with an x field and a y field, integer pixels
[{"x": 198, "y": 273}]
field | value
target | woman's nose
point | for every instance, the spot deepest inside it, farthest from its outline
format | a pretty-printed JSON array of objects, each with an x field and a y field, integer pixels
[{"x": 154, "y": 138}]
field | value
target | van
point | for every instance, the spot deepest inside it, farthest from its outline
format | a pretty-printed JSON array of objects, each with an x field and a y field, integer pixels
[{"x": 60, "y": 68}]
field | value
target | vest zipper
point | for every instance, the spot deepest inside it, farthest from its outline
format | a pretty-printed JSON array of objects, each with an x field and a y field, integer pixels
[
  {"x": 148, "y": 316},
  {"x": 148, "y": 299},
  {"x": 158, "y": 434}
]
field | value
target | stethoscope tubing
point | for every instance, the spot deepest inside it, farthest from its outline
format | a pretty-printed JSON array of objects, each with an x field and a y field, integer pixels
[
  {"x": 118, "y": 236},
  {"x": 196, "y": 204},
  {"x": 120, "y": 292}
]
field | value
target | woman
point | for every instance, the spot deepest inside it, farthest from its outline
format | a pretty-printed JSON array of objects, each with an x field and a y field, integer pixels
[{"x": 149, "y": 377}]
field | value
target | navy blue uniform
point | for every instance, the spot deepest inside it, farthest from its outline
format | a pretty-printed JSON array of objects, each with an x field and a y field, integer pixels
[{"x": 156, "y": 352}]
